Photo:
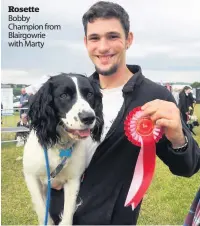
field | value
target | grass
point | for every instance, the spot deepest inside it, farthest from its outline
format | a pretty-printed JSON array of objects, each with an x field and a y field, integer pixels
[
  {"x": 166, "y": 202},
  {"x": 10, "y": 121},
  {"x": 16, "y": 206}
]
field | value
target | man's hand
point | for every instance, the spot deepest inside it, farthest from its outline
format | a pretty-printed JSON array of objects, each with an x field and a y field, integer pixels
[{"x": 166, "y": 114}]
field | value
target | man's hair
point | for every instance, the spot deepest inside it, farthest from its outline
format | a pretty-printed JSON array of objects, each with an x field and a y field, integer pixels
[
  {"x": 186, "y": 88},
  {"x": 106, "y": 10}
]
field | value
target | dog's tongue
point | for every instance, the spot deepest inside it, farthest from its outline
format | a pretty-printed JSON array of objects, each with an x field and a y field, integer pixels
[{"x": 82, "y": 133}]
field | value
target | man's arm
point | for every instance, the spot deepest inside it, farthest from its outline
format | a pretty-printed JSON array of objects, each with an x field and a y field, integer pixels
[
  {"x": 166, "y": 114},
  {"x": 24, "y": 103},
  {"x": 184, "y": 163}
]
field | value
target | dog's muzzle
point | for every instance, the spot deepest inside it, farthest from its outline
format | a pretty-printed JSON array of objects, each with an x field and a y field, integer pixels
[{"x": 86, "y": 118}]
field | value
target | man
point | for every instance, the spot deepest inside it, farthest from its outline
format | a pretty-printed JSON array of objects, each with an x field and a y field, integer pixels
[
  {"x": 23, "y": 101},
  {"x": 107, "y": 179},
  {"x": 184, "y": 103},
  {"x": 191, "y": 102}
]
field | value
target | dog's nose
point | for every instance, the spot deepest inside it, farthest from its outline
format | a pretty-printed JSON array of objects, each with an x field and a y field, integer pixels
[{"x": 86, "y": 117}]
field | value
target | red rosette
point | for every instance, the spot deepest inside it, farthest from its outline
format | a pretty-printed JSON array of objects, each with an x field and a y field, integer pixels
[{"x": 142, "y": 132}]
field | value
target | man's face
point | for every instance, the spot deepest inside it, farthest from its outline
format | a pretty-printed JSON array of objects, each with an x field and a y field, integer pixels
[
  {"x": 24, "y": 119},
  {"x": 23, "y": 91},
  {"x": 188, "y": 91},
  {"x": 106, "y": 44}
]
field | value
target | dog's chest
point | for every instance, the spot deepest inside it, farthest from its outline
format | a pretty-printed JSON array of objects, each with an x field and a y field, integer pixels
[
  {"x": 34, "y": 161},
  {"x": 55, "y": 162},
  {"x": 35, "y": 164}
]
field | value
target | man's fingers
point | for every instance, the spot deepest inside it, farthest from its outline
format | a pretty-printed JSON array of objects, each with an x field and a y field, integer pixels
[
  {"x": 164, "y": 114},
  {"x": 149, "y": 111},
  {"x": 161, "y": 115},
  {"x": 165, "y": 123},
  {"x": 151, "y": 103},
  {"x": 156, "y": 114}
]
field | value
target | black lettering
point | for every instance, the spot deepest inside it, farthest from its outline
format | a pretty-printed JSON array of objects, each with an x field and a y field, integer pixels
[
  {"x": 10, "y": 34},
  {"x": 29, "y": 9},
  {"x": 9, "y": 17},
  {"x": 28, "y": 43},
  {"x": 25, "y": 10},
  {"x": 11, "y": 9},
  {"x": 15, "y": 44},
  {"x": 11, "y": 44}
]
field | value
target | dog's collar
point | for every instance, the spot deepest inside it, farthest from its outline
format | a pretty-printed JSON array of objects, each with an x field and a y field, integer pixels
[{"x": 64, "y": 154}]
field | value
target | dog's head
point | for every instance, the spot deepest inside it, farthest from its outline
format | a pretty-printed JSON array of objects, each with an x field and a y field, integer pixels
[
  {"x": 193, "y": 120},
  {"x": 70, "y": 101},
  {"x": 195, "y": 123}
]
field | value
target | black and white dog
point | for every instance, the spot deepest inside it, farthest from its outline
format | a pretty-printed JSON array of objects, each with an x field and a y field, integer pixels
[
  {"x": 65, "y": 110},
  {"x": 192, "y": 122}
]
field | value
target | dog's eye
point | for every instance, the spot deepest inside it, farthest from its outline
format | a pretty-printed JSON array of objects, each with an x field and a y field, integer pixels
[
  {"x": 89, "y": 94},
  {"x": 65, "y": 96}
]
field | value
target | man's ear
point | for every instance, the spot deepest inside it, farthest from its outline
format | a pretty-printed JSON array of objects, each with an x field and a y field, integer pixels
[{"x": 129, "y": 40}]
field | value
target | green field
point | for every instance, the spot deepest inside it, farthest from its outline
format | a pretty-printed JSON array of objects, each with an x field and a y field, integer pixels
[{"x": 166, "y": 202}]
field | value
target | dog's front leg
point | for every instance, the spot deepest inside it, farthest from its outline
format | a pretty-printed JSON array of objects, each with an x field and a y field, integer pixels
[
  {"x": 35, "y": 190},
  {"x": 71, "y": 189}
]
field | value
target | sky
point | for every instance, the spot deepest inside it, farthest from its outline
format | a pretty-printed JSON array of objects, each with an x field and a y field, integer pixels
[{"x": 166, "y": 40}]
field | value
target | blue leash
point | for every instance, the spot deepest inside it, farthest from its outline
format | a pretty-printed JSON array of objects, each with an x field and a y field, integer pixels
[
  {"x": 48, "y": 187},
  {"x": 65, "y": 154}
]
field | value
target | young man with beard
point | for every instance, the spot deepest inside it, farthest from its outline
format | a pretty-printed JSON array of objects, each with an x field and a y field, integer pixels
[{"x": 111, "y": 163}]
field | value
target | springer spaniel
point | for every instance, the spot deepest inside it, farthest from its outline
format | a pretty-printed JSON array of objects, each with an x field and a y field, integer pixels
[
  {"x": 66, "y": 110},
  {"x": 192, "y": 122}
]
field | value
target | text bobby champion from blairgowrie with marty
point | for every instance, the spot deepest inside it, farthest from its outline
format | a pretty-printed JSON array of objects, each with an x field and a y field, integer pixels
[{"x": 23, "y": 33}]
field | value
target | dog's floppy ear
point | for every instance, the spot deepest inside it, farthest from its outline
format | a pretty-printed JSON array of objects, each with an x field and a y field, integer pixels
[
  {"x": 42, "y": 115},
  {"x": 98, "y": 108}
]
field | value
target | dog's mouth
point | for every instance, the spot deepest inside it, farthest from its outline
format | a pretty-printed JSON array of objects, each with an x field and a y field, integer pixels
[
  {"x": 80, "y": 133},
  {"x": 76, "y": 133}
]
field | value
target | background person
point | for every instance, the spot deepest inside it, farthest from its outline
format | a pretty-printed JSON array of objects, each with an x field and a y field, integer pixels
[
  {"x": 23, "y": 101},
  {"x": 184, "y": 103}
]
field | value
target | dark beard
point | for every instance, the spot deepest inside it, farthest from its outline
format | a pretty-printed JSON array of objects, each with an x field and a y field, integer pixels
[{"x": 109, "y": 72}]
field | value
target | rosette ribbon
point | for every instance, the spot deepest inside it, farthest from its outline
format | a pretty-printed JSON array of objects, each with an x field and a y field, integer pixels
[{"x": 142, "y": 132}]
